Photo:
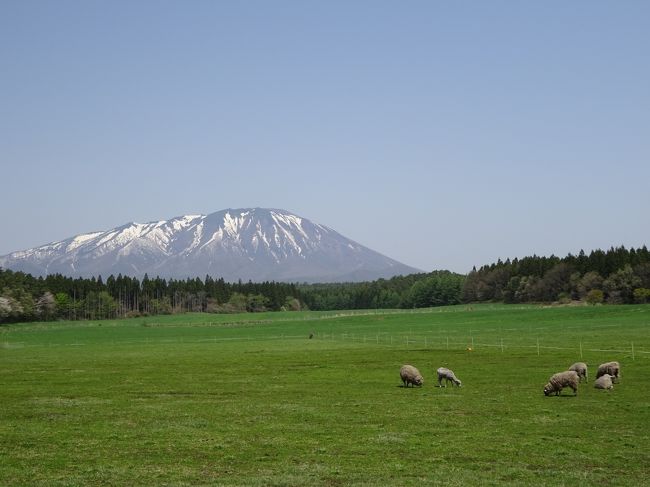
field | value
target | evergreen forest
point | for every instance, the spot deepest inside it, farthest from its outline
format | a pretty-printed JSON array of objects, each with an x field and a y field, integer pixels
[{"x": 615, "y": 276}]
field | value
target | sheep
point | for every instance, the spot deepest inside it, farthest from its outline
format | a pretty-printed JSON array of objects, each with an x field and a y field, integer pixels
[
  {"x": 581, "y": 369},
  {"x": 604, "y": 382},
  {"x": 410, "y": 375},
  {"x": 449, "y": 376},
  {"x": 611, "y": 368},
  {"x": 559, "y": 381}
]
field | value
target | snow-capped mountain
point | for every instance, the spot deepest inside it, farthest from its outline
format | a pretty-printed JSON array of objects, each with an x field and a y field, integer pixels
[{"x": 255, "y": 244}]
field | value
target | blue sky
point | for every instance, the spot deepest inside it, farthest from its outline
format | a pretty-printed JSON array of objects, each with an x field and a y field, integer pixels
[{"x": 442, "y": 134}]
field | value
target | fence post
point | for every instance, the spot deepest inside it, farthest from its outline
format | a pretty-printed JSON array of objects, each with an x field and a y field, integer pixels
[
  {"x": 502, "y": 345},
  {"x": 632, "y": 350},
  {"x": 538, "y": 347}
]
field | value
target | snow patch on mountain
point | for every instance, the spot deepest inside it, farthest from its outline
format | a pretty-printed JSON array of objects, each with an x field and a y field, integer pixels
[{"x": 81, "y": 239}]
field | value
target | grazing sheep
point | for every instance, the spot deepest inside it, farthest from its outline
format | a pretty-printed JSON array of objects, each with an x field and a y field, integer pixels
[
  {"x": 611, "y": 368},
  {"x": 581, "y": 369},
  {"x": 559, "y": 381},
  {"x": 604, "y": 382},
  {"x": 449, "y": 376},
  {"x": 410, "y": 375}
]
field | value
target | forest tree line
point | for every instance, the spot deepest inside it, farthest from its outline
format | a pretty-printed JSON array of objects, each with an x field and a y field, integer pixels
[
  {"x": 616, "y": 276},
  {"x": 24, "y": 297}
]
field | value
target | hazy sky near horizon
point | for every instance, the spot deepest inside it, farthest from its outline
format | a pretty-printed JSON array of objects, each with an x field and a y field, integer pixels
[{"x": 441, "y": 134}]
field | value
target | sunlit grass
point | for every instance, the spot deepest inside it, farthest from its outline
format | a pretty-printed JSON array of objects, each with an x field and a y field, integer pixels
[{"x": 251, "y": 400}]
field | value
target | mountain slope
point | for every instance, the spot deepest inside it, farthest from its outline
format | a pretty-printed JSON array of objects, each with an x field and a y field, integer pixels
[{"x": 250, "y": 244}]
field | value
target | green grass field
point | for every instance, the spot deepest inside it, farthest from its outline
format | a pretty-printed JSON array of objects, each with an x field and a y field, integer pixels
[{"x": 250, "y": 400}]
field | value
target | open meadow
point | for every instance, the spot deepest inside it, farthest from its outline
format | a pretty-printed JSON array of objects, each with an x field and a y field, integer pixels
[{"x": 251, "y": 400}]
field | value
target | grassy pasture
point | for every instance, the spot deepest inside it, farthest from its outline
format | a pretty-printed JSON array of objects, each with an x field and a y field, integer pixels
[{"x": 250, "y": 400}]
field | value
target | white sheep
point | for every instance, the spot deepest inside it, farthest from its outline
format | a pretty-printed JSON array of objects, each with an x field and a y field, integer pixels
[
  {"x": 581, "y": 369},
  {"x": 604, "y": 382},
  {"x": 557, "y": 382},
  {"x": 611, "y": 368},
  {"x": 449, "y": 376},
  {"x": 410, "y": 375}
]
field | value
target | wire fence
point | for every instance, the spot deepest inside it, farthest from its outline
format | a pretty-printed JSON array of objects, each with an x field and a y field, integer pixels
[
  {"x": 383, "y": 339},
  {"x": 472, "y": 344}
]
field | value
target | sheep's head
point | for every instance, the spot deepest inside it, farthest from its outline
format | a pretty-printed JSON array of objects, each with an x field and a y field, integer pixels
[
  {"x": 418, "y": 380},
  {"x": 459, "y": 383},
  {"x": 548, "y": 389}
]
